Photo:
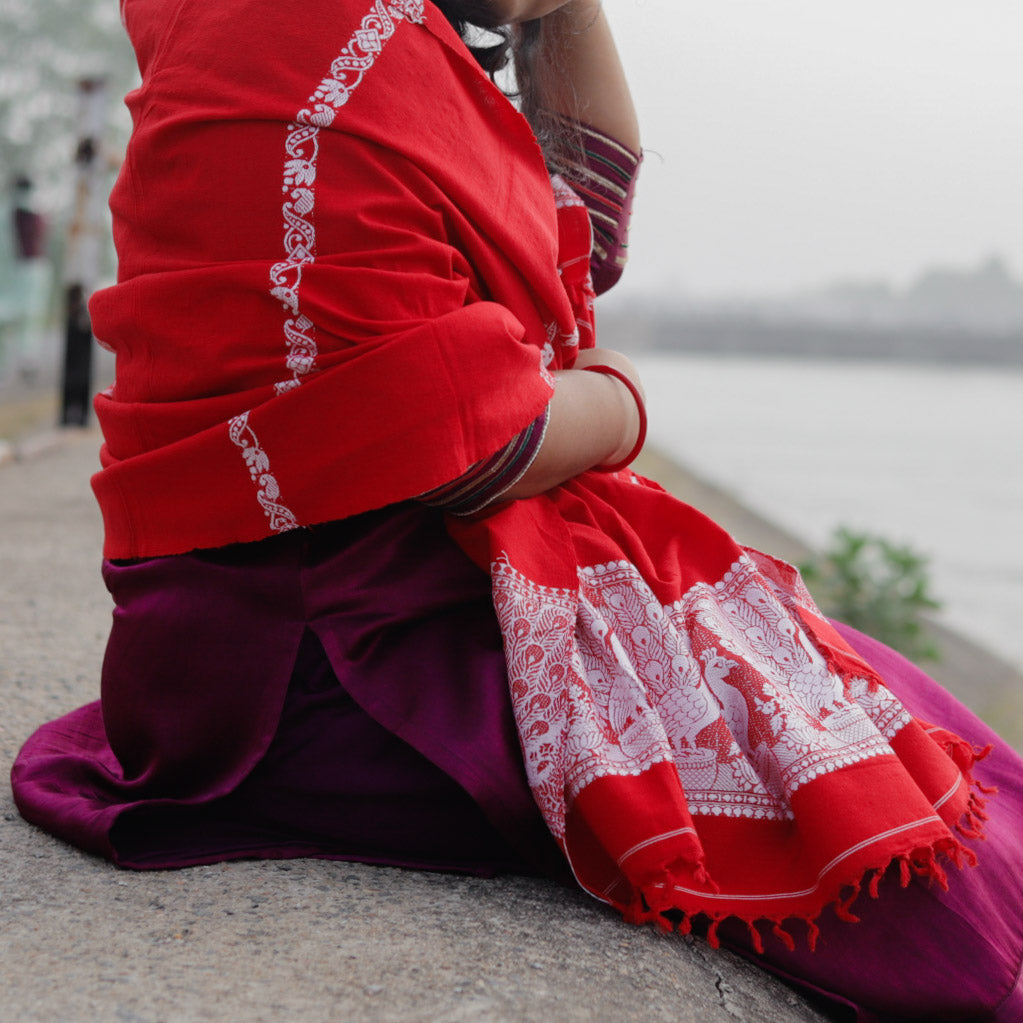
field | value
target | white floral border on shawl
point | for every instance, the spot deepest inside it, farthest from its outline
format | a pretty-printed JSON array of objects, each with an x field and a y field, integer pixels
[
  {"x": 724, "y": 683},
  {"x": 347, "y": 72}
]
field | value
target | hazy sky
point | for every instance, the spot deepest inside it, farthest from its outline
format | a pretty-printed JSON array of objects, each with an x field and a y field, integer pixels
[{"x": 790, "y": 142}]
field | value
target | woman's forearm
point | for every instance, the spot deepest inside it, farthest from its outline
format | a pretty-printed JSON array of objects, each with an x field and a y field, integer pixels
[{"x": 593, "y": 420}]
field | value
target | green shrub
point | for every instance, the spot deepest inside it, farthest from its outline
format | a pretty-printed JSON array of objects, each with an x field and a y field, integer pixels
[{"x": 879, "y": 587}]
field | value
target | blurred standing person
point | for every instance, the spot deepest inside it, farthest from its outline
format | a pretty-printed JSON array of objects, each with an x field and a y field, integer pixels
[{"x": 32, "y": 277}]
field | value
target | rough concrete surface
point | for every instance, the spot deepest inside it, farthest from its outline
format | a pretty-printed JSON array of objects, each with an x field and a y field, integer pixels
[{"x": 263, "y": 941}]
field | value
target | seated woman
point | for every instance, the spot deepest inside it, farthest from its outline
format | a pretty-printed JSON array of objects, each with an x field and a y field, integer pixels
[{"x": 385, "y": 587}]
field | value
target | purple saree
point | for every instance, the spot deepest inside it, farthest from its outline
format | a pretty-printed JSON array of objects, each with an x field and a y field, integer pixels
[{"x": 212, "y": 754}]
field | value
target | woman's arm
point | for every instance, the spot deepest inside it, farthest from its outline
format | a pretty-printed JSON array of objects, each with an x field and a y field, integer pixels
[
  {"x": 589, "y": 84},
  {"x": 578, "y": 100},
  {"x": 593, "y": 421},
  {"x": 593, "y": 417}
]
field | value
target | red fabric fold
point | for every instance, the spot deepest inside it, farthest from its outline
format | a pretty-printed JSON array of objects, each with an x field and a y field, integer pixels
[{"x": 394, "y": 275}]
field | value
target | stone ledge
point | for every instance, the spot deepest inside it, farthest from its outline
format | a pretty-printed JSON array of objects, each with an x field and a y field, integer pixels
[
  {"x": 316, "y": 940},
  {"x": 266, "y": 941}
]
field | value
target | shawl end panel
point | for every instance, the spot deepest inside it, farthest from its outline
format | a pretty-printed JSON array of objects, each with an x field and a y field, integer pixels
[{"x": 700, "y": 741}]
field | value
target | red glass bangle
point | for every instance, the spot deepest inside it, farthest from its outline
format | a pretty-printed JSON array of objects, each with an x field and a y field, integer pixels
[{"x": 640, "y": 406}]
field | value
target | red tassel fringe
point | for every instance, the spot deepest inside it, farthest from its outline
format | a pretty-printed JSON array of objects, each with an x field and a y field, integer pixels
[{"x": 921, "y": 862}]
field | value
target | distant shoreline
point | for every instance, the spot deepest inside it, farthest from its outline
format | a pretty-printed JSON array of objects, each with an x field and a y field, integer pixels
[{"x": 723, "y": 334}]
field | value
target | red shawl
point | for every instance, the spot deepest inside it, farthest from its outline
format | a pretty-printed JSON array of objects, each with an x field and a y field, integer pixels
[
  {"x": 698, "y": 737},
  {"x": 340, "y": 285},
  {"x": 335, "y": 237}
]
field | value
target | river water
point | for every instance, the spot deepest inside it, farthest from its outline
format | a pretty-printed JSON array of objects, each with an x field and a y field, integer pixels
[{"x": 926, "y": 454}]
